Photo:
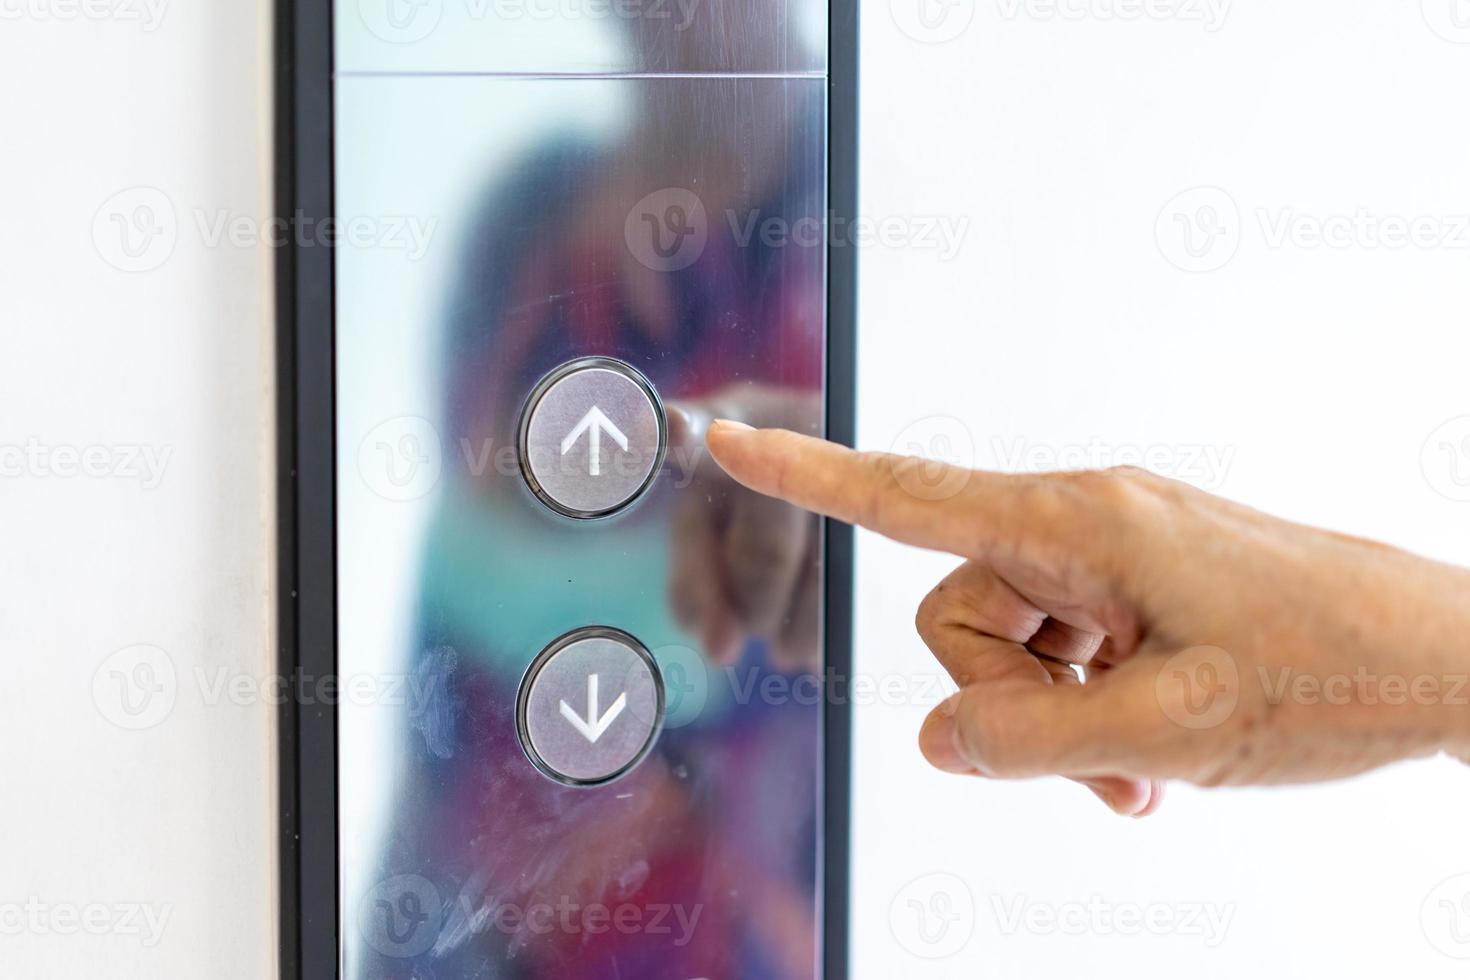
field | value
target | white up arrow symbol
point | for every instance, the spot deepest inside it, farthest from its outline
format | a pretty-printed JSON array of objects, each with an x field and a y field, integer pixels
[
  {"x": 592, "y": 727},
  {"x": 594, "y": 423}
]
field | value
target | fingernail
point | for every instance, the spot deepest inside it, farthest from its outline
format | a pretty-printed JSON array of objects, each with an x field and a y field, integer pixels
[
  {"x": 730, "y": 425},
  {"x": 1155, "y": 800},
  {"x": 938, "y": 742}
]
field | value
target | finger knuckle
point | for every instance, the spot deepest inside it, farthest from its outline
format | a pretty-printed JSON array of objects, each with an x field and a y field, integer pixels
[
  {"x": 932, "y": 612},
  {"x": 875, "y": 488},
  {"x": 1034, "y": 502},
  {"x": 1127, "y": 472},
  {"x": 1122, "y": 494},
  {"x": 1118, "y": 484}
]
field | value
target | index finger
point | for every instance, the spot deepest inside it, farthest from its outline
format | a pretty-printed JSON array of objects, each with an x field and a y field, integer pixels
[{"x": 915, "y": 501}]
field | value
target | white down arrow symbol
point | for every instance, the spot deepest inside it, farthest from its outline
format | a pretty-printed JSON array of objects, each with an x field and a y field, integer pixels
[{"x": 593, "y": 727}]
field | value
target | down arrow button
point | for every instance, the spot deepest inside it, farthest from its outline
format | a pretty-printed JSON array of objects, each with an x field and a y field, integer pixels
[{"x": 590, "y": 706}]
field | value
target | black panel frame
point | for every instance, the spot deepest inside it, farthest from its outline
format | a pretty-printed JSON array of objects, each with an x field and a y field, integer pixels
[
  {"x": 842, "y": 295},
  {"x": 306, "y": 489},
  {"x": 306, "y": 502}
]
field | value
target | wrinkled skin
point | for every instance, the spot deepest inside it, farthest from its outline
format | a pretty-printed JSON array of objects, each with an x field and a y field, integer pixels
[{"x": 1122, "y": 629}]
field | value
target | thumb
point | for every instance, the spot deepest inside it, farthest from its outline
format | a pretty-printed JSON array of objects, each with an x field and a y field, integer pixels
[{"x": 1114, "y": 726}]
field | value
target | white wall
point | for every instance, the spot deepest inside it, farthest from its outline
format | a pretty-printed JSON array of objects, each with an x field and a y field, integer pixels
[
  {"x": 1318, "y": 373},
  {"x": 134, "y": 845}
]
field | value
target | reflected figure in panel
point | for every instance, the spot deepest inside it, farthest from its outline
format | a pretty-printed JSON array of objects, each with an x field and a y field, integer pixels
[{"x": 690, "y": 245}]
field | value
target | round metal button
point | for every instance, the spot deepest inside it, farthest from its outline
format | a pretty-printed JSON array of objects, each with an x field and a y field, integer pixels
[
  {"x": 592, "y": 437},
  {"x": 590, "y": 707}
]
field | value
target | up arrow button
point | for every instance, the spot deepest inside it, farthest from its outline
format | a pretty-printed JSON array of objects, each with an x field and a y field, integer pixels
[
  {"x": 594, "y": 423},
  {"x": 592, "y": 437}
]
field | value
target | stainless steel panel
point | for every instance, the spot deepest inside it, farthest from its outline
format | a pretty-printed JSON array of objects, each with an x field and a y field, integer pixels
[
  {"x": 582, "y": 36},
  {"x": 492, "y": 229}
]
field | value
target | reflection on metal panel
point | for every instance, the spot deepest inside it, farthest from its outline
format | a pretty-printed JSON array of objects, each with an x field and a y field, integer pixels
[
  {"x": 494, "y": 228},
  {"x": 582, "y": 36}
]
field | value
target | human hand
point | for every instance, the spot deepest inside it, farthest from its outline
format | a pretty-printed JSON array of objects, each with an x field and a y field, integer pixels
[{"x": 1219, "y": 645}]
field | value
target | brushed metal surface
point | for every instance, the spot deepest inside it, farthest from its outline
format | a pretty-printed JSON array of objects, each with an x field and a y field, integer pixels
[
  {"x": 663, "y": 222},
  {"x": 582, "y": 36}
]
